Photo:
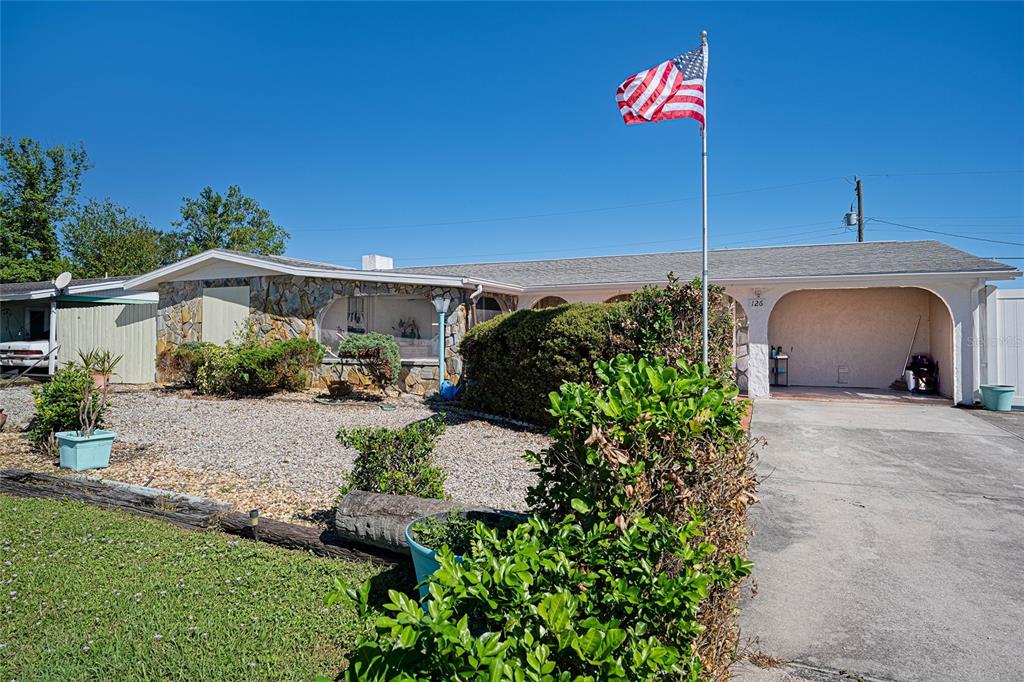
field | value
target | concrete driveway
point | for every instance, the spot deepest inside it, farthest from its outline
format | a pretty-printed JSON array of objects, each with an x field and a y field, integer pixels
[{"x": 889, "y": 542}]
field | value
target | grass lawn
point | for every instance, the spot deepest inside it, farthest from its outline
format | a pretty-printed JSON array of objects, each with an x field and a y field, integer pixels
[{"x": 89, "y": 594}]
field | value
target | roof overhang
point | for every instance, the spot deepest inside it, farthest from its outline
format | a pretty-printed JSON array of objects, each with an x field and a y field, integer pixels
[
  {"x": 113, "y": 288},
  {"x": 256, "y": 266},
  {"x": 886, "y": 279}
]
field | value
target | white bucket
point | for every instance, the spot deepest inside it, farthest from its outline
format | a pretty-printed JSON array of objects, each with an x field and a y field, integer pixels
[{"x": 908, "y": 377}]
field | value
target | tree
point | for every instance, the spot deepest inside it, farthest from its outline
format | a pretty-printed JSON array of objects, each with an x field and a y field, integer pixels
[
  {"x": 104, "y": 239},
  {"x": 38, "y": 189},
  {"x": 237, "y": 222}
]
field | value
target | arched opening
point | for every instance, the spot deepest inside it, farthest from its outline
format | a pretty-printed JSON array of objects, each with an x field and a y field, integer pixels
[
  {"x": 619, "y": 298},
  {"x": 862, "y": 338},
  {"x": 486, "y": 308},
  {"x": 740, "y": 343},
  {"x": 410, "y": 320},
  {"x": 549, "y": 302}
]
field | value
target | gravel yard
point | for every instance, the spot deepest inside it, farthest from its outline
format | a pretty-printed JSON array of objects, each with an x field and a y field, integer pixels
[{"x": 290, "y": 441}]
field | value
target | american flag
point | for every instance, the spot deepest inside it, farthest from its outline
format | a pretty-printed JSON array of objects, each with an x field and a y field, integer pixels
[{"x": 672, "y": 89}]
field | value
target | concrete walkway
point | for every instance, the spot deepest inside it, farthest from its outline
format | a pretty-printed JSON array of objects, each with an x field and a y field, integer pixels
[{"x": 889, "y": 542}]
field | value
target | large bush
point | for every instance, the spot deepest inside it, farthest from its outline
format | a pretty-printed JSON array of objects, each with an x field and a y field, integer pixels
[
  {"x": 629, "y": 566},
  {"x": 396, "y": 461},
  {"x": 514, "y": 361},
  {"x": 248, "y": 367},
  {"x": 665, "y": 322},
  {"x": 58, "y": 403}
]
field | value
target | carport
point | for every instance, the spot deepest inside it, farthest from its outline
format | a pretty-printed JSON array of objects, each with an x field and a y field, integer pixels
[{"x": 861, "y": 338}]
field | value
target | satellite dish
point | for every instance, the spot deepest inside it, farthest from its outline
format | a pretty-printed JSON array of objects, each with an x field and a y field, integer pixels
[{"x": 63, "y": 279}]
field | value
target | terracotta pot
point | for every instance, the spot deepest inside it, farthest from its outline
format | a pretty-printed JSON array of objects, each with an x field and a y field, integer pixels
[{"x": 100, "y": 380}]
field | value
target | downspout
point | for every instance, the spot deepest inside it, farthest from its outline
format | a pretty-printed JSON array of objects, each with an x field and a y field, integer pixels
[{"x": 473, "y": 297}]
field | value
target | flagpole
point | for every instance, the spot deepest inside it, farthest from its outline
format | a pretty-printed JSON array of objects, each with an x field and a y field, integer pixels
[{"x": 704, "y": 205}]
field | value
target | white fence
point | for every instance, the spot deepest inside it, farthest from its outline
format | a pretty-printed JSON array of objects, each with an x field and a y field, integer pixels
[
  {"x": 123, "y": 329},
  {"x": 1009, "y": 340}
]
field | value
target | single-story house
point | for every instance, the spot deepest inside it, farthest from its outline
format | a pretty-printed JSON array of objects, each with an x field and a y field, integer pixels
[
  {"x": 43, "y": 327},
  {"x": 845, "y": 314}
]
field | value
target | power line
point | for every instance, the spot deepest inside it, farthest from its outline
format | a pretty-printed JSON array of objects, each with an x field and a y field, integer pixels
[
  {"x": 555, "y": 214},
  {"x": 924, "y": 173},
  {"x": 948, "y": 234}
]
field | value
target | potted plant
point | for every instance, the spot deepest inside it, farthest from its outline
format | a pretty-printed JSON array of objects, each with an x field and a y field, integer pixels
[
  {"x": 101, "y": 363},
  {"x": 88, "y": 447},
  {"x": 454, "y": 530}
]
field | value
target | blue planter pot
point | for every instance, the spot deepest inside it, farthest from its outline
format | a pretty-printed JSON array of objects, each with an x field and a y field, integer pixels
[
  {"x": 996, "y": 397},
  {"x": 85, "y": 452},
  {"x": 424, "y": 559}
]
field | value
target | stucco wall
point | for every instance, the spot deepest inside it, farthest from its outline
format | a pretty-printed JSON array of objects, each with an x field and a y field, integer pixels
[
  {"x": 867, "y": 331},
  {"x": 940, "y": 332}
]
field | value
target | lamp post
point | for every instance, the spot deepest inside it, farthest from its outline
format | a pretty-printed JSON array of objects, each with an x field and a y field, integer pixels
[{"x": 441, "y": 303}]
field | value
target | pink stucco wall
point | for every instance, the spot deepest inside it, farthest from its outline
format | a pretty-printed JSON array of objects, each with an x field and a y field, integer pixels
[
  {"x": 940, "y": 331},
  {"x": 866, "y": 331}
]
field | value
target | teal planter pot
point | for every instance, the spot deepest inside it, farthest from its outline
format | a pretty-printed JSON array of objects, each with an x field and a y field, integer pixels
[
  {"x": 424, "y": 559},
  {"x": 997, "y": 397},
  {"x": 85, "y": 452}
]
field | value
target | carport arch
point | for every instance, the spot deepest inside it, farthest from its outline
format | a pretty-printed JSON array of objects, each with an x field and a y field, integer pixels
[{"x": 879, "y": 329}]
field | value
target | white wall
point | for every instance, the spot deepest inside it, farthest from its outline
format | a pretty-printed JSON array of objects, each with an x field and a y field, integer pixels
[
  {"x": 225, "y": 310},
  {"x": 123, "y": 329},
  {"x": 1009, "y": 340}
]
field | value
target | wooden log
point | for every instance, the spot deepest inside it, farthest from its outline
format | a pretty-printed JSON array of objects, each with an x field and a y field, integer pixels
[
  {"x": 321, "y": 542},
  {"x": 194, "y": 513},
  {"x": 380, "y": 520},
  {"x": 183, "y": 511}
]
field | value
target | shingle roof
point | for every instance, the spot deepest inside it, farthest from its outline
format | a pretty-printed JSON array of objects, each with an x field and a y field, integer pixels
[
  {"x": 867, "y": 258},
  {"x": 286, "y": 260},
  {"x": 27, "y": 287}
]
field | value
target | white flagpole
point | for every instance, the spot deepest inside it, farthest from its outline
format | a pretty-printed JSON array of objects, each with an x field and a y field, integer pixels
[{"x": 704, "y": 203}]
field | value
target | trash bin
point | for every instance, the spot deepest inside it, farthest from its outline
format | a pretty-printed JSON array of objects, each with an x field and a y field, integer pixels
[{"x": 997, "y": 397}]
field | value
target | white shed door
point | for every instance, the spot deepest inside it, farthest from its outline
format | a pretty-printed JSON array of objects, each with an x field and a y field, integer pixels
[{"x": 225, "y": 310}]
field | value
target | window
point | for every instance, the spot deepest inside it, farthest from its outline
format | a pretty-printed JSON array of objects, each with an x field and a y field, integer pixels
[
  {"x": 410, "y": 320},
  {"x": 487, "y": 307},
  {"x": 38, "y": 323}
]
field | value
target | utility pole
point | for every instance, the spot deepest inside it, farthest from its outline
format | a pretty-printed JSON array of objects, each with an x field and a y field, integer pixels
[{"x": 860, "y": 210}]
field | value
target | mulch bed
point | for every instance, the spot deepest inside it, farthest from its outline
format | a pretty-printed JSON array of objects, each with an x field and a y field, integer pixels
[{"x": 142, "y": 465}]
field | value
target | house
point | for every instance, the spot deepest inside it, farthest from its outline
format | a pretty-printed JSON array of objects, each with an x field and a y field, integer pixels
[
  {"x": 845, "y": 314},
  {"x": 43, "y": 328}
]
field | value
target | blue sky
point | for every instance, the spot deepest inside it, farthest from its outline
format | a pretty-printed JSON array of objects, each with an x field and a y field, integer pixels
[{"x": 442, "y": 133}]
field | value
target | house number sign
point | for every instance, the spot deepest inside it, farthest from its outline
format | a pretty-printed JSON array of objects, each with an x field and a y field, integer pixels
[{"x": 757, "y": 302}]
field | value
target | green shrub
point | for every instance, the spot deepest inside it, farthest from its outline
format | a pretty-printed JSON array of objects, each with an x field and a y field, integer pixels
[
  {"x": 396, "y": 461},
  {"x": 551, "y": 602},
  {"x": 629, "y": 565},
  {"x": 666, "y": 322},
  {"x": 656, "y": 441},
  {"x": 454, "y": 531},
  {"x": 247, "y": 368},
  {"x": 514, "y": 361},
  {"x": 58, "y": 402},
  {"x": 377, "y": 353}
]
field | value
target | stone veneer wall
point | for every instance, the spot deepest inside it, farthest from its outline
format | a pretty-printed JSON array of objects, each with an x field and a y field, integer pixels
[{"x": 284, "y": 307}]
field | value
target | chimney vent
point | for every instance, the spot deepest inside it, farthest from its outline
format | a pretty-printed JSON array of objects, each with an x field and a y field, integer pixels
[{"x": 376, "y": 262}]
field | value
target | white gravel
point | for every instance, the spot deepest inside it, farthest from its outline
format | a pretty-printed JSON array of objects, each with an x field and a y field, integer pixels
[
  {"x": 17, "y": 403},
  {"x": 291, "y": 440}
]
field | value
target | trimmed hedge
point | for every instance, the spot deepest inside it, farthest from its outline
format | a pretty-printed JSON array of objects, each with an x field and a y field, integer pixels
[{"x": 514, "y": 361}]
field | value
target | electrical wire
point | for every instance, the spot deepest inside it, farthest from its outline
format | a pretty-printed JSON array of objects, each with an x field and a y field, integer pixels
[
  {"x": 939, "y": 231},
  {"x": 555, "y": 214}
]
